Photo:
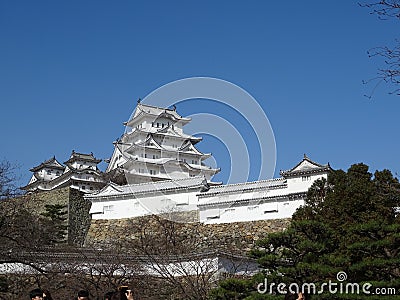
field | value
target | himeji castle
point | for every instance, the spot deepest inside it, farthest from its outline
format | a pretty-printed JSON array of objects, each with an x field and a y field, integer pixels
[
  {"x": 154, "y": 147},
  {"x": 163, "y": 172},
  {"x": 240, "y": 202}
]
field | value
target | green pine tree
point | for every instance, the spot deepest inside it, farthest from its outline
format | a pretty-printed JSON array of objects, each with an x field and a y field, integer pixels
[{"x": 54, "y": 218}]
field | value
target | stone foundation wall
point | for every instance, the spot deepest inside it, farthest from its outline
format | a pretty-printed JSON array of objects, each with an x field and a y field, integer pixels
[
  {"x": 78, "y": 220},
  {"x": 37, "y": 201},
  {"x": 237, "y": 237}
]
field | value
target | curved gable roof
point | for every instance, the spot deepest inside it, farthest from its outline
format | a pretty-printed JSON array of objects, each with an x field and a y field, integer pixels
[
  {"x": 306, "y": 166},
  {"x": 51, "y": 163}
]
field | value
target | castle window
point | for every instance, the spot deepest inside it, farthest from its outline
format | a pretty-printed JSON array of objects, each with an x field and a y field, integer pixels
[
  {"x": 83, "y": 187},
  {"x": 153, "y": 172},
  {"x": 108, "y": 208},
  {"x": 165, "y": 202},
  {"x": 253, "y": 208},
  {"x": 213, "y": 217},
  {"x": 305, "y": 178},
  {"x": 270, "y": 211},
  {"x": 48, "y": 172}
]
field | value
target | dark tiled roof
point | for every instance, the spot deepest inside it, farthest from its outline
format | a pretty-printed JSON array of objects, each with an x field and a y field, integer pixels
[
  {"x": 154, "y": 187},
  {"x": 245, "y": 187},
  {"x": 50, "y": 163},
  {"x": 82, "y": 156},
  {"x": 312, "y": 167}
]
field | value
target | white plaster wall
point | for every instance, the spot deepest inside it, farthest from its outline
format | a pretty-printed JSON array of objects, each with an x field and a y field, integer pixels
[
  {"x": 53, "y": 173},
  {"x": 83, "y": 165},
  {"x": 178, "y": 127},
  {"x": 141, "y": 206},
  {"x": 298, "y": 184},
  {"x": 253, "y": 212},
  {"x": 250, "y": 211}
]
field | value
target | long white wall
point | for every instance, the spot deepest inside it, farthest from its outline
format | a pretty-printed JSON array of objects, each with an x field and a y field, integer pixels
[
  {"x": 274, "y": 203},
  {"x": 144, "y": 205}
]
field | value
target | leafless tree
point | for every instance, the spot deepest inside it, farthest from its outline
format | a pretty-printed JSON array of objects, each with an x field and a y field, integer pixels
[
  {"x": 390, "y": 72},
  {"x": 64, "y": 271},
  {"x": 8, "y": 180},
  {"x": 173, "y": 254},
  {"x": 159, "y": 258}
]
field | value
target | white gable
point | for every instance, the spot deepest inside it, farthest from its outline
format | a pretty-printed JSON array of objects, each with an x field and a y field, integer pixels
[
  {"x": 305, "y": 165},
  {"x": 109, "y": 189}
]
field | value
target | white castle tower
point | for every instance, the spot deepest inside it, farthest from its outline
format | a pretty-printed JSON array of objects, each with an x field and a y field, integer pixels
[
  {"x": 80, "y": 172},
  {"x": 154, "y": 147}
]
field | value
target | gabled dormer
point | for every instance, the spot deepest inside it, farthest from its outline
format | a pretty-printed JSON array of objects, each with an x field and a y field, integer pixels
[{"x": 189, "y": 148}]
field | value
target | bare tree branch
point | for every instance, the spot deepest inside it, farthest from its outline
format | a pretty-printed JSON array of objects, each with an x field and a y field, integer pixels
[{"x": 390, "y": 73}]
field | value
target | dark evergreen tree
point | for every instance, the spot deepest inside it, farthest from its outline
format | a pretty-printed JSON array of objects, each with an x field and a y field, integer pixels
[{"x": 55, "y": 218}]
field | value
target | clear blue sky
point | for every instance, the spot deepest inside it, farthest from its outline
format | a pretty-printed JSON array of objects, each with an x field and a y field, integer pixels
[{"x": 71, "y": 72}]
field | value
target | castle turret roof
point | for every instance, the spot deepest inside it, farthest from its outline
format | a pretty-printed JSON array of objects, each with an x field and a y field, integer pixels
[
  {"x": 156, "y": 112},
  {"x": 306, "y": 166},
  {"x": 51, "y": 163},
  {"x": 82, "y": 157}
]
